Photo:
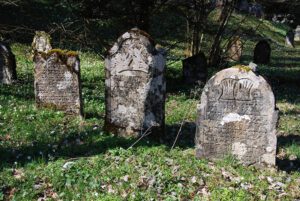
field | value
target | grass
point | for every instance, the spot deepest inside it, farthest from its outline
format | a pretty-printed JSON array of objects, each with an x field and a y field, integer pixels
[{"x": 46, "y": 154}]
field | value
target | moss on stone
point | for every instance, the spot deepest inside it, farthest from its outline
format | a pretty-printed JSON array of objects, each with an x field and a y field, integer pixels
[
  {"x": 62, "y": 56},
  {"x": 243, "y": 68}
]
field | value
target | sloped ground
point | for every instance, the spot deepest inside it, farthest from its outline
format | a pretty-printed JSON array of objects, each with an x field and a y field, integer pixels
[{"x": 45, "y": 154}]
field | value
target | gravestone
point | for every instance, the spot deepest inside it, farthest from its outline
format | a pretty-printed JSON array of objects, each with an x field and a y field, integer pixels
[
  {"x": 289, "y": 38},
  {"x": 243, "y": 5},
  {"x": 41, "y": 42},
  {"x": 257, "y": 10},
  {"x": 235, "y": 48},
  {"x": 57, "y": 81},
  {"x": 237, "y": 116},
  {"x": 135, "y": 86},
  {"x": 297, "y": 34},
  {"x": 195, "y": 69},
  {"x": 8, "y": 73},
  {"x": 262, "y": 52}
]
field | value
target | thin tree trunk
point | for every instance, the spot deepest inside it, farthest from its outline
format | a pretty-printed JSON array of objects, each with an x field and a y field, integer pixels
[{"x": 214, "y": 55}]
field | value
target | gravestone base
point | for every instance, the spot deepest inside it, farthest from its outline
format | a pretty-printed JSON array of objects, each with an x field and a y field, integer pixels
[{"x": 155, "y": 133}]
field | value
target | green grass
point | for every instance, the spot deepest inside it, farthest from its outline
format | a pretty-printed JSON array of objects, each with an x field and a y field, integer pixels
[{"x": 45, "y": 153}]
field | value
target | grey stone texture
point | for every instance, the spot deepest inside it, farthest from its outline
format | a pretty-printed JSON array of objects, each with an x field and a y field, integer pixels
[
  {"x": 41, "y": 42},
  {"x": 297, "y": 34},
  {"x": 8, "y": 73},
  {"x": 135, "y": 86},
  {"x": 234, "y": 49},
  {"x": 237, "y": 116},
  {"x": 195, "y": 69},
  {"x": 262, "y": 52},
  {"x": 57, "y": 81}
]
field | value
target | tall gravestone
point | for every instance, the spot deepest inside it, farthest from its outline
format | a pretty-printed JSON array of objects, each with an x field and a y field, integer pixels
[
  {"x": 237, "y": 116},
  {"x": 195, "y": 69},
  {"x": 262, "y": 52},
  {"x": 56, "y": 77},
  {"x": 135, "y": 86},
  {"x": 234, "y": 49},
  {"x": 8, "y": 73}
]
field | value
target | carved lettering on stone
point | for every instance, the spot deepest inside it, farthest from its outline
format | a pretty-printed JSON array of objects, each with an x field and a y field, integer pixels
[
  {"x": 237, "y": 116},
  {"x": 135, "y": 85},
  {"x": 8, "y": 73},
  {"x": 57, "y": 81}
]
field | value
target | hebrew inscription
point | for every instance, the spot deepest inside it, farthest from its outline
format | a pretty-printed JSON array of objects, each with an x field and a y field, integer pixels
[
  {"x": 135, "y": 85},
  {"x": 57, "y": 82},
  {"x": 237, "y": 116}
]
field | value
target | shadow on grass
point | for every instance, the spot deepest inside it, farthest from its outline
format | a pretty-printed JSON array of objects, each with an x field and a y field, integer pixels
[
  {"x": 185, "y": 132},
  {"x": 286, "y": 164},
  {"x": 20, "y": 90},
  {"x": 75, "y": 146},
  {"x": 89, "y": 144}
]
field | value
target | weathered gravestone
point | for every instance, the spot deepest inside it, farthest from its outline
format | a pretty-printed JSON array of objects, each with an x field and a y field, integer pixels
[
  {"x": 135, "y": 86},
  {"x": 237, "y": 116},
  {"x": 195, "y": 69},
  {"x": 289, "y": 38},
  {"x": 235, "y": 48},
  {"x": 297, "y": 34},
  {"x": 262, "y": 52},
  {"x": 8, "y": 73},
  {"x": 41, "y": 42},
  {"x": 57, "y": 81}
]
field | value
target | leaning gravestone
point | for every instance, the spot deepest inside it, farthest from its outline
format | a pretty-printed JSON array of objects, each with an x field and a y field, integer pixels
[
  {"x": 57, "y": 81},
  {"x": 41, "y": 42},
  {"x": 8, "y": 73},
  {"x": 235, "y": 48},
  {"x": 262, "y": 52},
  {"x": 237, "y": 116},
  {"x": 135, "y": 86},
  {"x": 195, "y": 69}
]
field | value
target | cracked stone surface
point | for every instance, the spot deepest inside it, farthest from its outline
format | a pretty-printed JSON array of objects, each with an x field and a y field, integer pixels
[
  {"x": 8, "y": 73},
  {"x": 57, "y": 82},
  {"x": 135, "y": 86},
  {"x": 237, "y": 116}
]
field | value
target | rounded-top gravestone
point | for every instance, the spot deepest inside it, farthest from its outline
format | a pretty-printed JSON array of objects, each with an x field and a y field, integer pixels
[
  {"x": 8, "y": 72},
  {"x": 237, "y": 117},
  {"x": 262, "y": 52},
  {"x": 234, "y": 49},
  {"x": 41, "y": 42},
  {"x": 135, "y": 86}
]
